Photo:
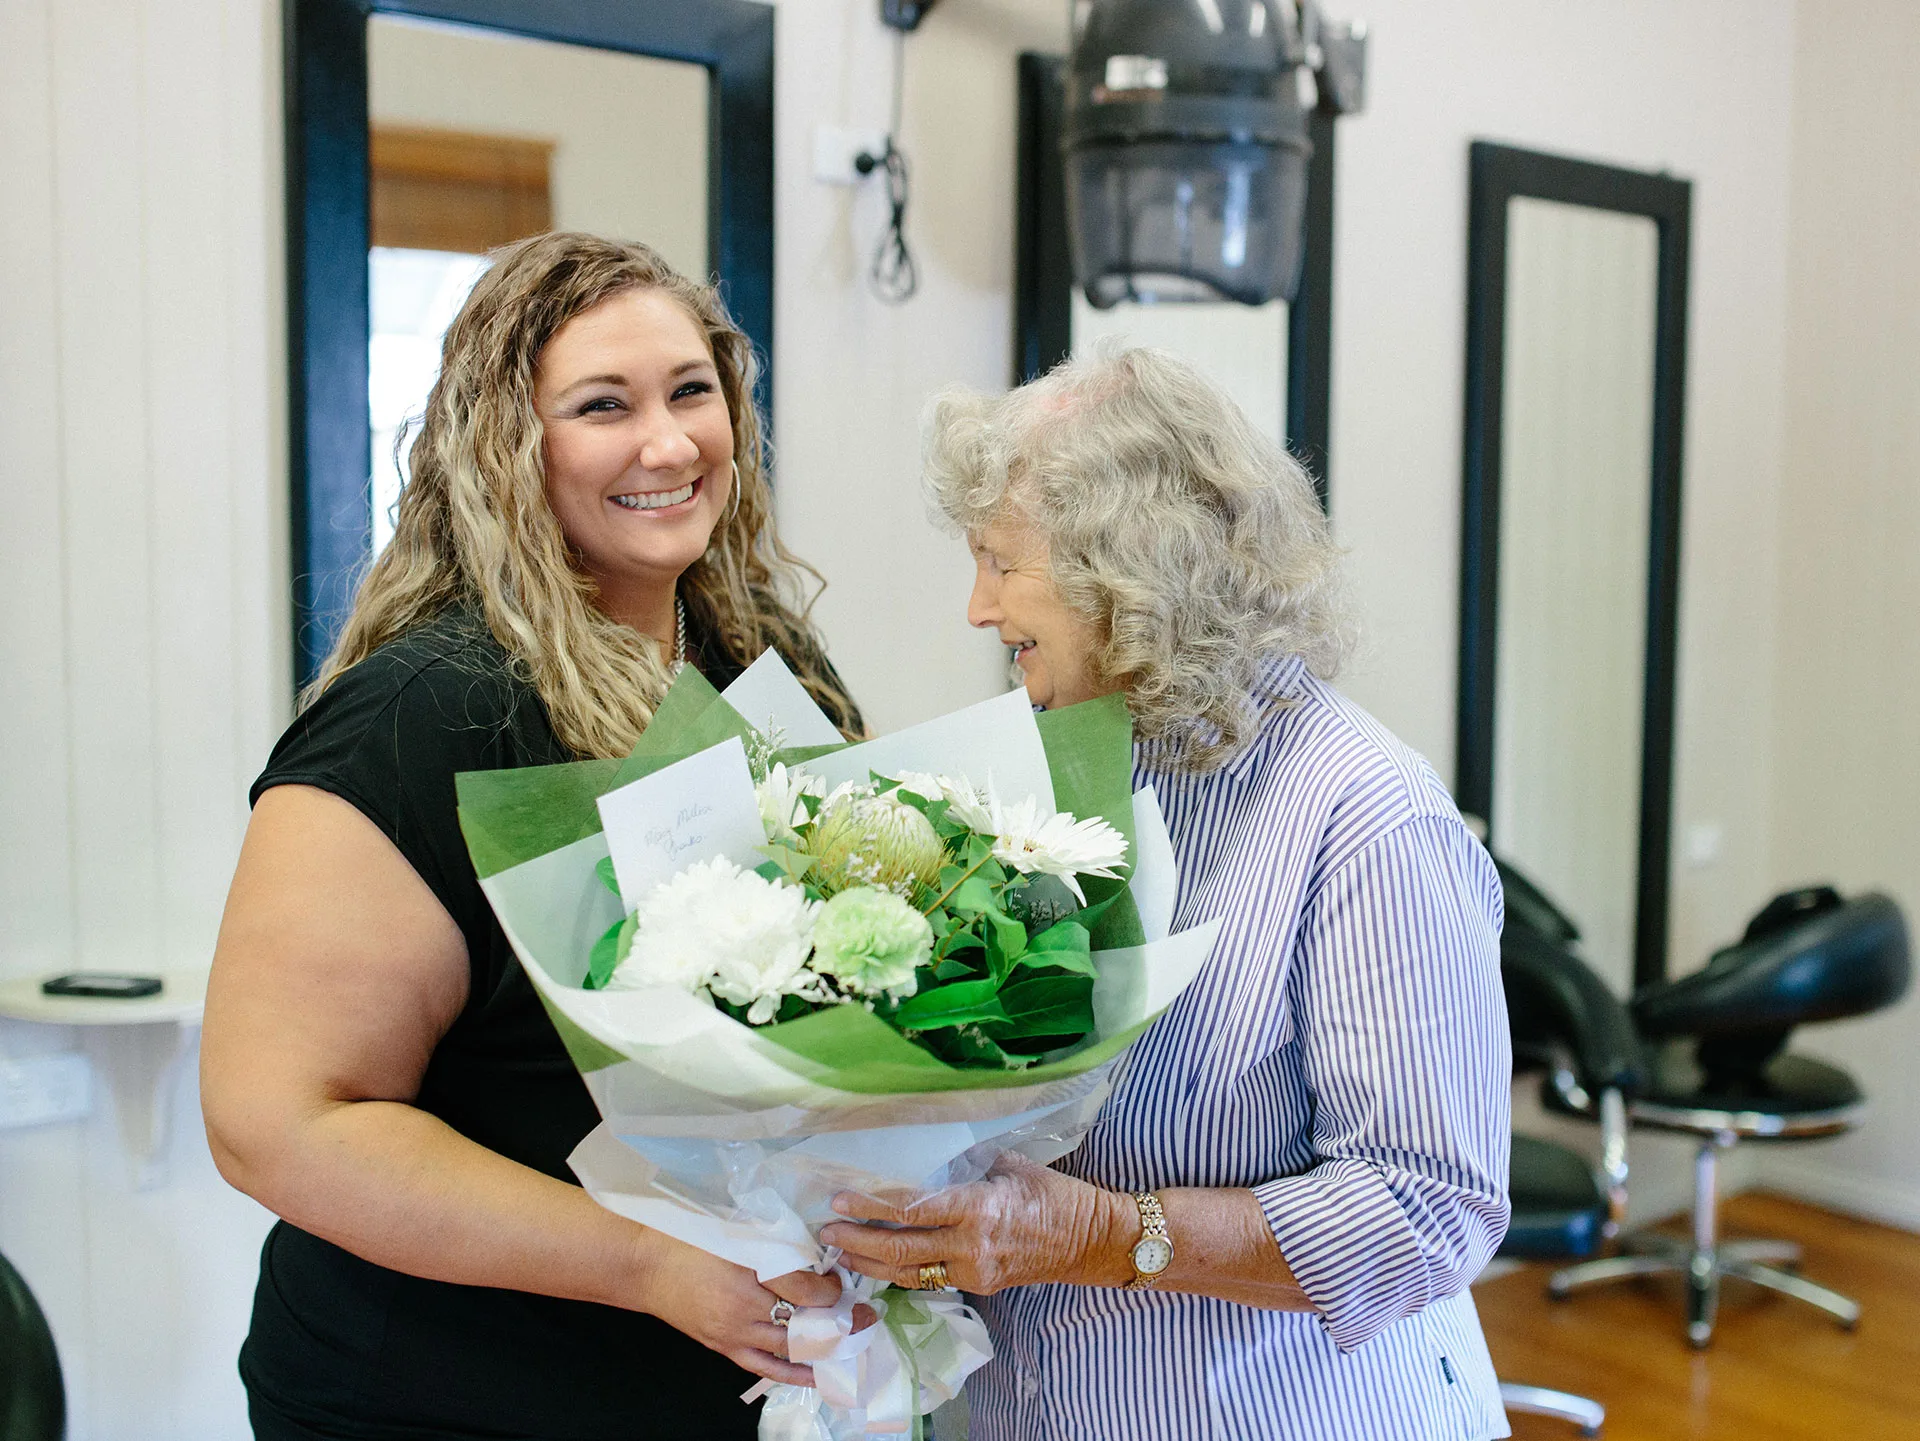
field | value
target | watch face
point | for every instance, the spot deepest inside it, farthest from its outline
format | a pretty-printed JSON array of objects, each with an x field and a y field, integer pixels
[{"x": 1153, "y": 1255}]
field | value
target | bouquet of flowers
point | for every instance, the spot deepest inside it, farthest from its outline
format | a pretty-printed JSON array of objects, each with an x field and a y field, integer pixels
[{"x": 788, "y": 967}]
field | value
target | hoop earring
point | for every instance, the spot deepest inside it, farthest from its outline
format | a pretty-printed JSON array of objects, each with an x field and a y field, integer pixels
[{"x": 734, "y": 509}]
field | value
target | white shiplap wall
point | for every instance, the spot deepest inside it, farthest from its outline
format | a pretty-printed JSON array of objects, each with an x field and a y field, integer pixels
[
  {"x": 142, "y": 543},
  {"x": 1846, "y": 799}
]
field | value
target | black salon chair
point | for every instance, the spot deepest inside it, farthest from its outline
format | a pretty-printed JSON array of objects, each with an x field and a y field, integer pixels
[
  {"x": 1718, "y": 1070},
  {"x": 33, "y": 1403},
  {"x": 1564, "y": 1022},
  {"x": 1567, "y": 1024}
]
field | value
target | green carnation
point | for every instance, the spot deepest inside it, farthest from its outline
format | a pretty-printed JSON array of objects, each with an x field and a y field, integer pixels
[{"x": 871, "y": 941}]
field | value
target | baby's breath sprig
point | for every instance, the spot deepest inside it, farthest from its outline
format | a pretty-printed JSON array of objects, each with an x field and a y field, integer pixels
[{"x": 762, "y": 746}]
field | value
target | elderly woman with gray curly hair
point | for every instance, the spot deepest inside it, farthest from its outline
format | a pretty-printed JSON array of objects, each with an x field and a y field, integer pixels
[{"x": 1271, "y": 1229}]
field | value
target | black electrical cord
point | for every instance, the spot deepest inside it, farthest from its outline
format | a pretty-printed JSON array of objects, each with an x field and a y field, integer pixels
[{"x": 894, "y": 276}]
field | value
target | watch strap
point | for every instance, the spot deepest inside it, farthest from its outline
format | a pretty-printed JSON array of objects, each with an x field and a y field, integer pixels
[{"x": 1153, "y": 1224}]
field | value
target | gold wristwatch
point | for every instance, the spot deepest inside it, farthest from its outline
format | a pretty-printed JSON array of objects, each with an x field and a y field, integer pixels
[{"x": 1153, "y": 1252}]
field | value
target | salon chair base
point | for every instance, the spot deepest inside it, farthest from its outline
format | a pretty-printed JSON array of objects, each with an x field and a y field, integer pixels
[
  {"x": 1763, "y": 1263},
  {"x": 1588, "y": 1415},
  {"x": 1798, "y": 1098}
]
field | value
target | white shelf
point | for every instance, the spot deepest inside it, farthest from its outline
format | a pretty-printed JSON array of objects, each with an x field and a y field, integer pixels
[
  {"x": 139, "y": 1044},
  {"x": 182, "y": 999}
]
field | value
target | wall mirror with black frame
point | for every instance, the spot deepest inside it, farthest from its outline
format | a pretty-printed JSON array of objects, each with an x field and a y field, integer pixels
[
  {"x": 1576, "y": 339},
  {"x": 1272, "y": 359},
  {"x": 422, "y": 134}
]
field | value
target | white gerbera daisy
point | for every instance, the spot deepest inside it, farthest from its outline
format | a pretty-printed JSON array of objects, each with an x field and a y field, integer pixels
[
  {"x": 965, "y": 804},
  {"x": 1053, "y": 844}
]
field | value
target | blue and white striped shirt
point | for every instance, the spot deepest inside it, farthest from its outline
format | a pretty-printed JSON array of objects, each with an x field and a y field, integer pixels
[{"x": 1344, "y": 1054}]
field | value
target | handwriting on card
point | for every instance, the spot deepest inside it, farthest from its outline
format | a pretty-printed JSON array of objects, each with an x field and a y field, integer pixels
[{"x": 684, "y": 836}]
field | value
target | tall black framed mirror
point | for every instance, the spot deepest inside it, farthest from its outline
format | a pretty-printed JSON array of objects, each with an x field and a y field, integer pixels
[
  {"x": 423, "y": 133},
  {"x": 1569, "y": 577},
  {"x": 1275, "y": 360}
]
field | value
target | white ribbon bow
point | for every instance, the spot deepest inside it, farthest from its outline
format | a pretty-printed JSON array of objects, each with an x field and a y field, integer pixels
[{"x": 880, "y": 1381}]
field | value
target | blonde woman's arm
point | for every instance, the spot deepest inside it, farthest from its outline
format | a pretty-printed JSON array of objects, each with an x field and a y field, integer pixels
[{"x": 336, "y": 974}]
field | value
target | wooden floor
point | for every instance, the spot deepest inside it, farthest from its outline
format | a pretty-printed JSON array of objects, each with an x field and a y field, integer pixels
[{"x": 1778, "y": 1370}]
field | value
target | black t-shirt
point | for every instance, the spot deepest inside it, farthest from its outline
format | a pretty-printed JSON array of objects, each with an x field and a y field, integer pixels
[{"x": 344, "y": 1348}]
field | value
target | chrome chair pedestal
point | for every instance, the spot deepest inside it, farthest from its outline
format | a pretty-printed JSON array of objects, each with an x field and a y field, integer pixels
[
  {"x": 1588, "y": 1415},
  {"x": 1705, "y": 1260}
]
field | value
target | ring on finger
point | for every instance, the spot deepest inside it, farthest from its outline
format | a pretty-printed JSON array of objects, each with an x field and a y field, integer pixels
[
  {"x": 933, "y": 1277},
  {"x": 781, "y": 1313}
]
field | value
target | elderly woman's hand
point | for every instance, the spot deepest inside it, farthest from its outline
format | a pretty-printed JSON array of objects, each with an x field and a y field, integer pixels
[{"x": 1023, "y": 1225}]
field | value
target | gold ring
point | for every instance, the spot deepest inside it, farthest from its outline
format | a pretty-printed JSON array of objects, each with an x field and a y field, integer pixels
[{"x": 933, "y": 1277}]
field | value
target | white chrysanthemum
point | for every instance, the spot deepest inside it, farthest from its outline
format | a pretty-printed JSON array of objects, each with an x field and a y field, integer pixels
[
  {"x": 965, "y": 804},
  {"x": 1054, "y": 844},
  {"x": 781, "y": 796},
  {"x": 727, "y": 932}
]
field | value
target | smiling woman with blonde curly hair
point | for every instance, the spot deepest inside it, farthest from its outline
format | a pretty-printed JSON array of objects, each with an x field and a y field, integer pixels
[
  {"x": 588, "y": 512},
  {"x": 1270, "y": 1230}
]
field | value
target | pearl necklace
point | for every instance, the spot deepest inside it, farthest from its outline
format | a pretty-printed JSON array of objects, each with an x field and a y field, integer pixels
[{"x": 679, "y": 635}]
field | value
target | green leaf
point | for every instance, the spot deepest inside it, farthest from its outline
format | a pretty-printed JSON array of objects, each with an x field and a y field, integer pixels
[
  {"x": 952, "y": 969},
  {"x": 963, "y": 940},
  {"x": 604, "y": 869},
  {"x": 1064, "y": 946},
  {"x": 1063, "y": 936},
  {"x": 792, "y": 1008},
  {"x": 971, "y": 1047},
  {"x": 961, "y": 1003},
  {"x": 1006, "y": 942},
  {"x": 1090, "y": 915},
  {"x": 609, "y": 951},
  {"x": 1046, "y": 1005},
  {"x": 974, "y": 896},
  {"x": 789, "y": 862}
]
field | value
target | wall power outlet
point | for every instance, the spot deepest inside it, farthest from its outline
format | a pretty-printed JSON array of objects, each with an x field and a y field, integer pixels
[
  {"x": 837, "y": 151},
  {"x": 43, "y": 1089}
]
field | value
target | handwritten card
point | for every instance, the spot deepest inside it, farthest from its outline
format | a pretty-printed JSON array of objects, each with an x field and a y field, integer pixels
[
  {"x": 690, "y": 811},
  {"x": 767, "y": 691}
]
